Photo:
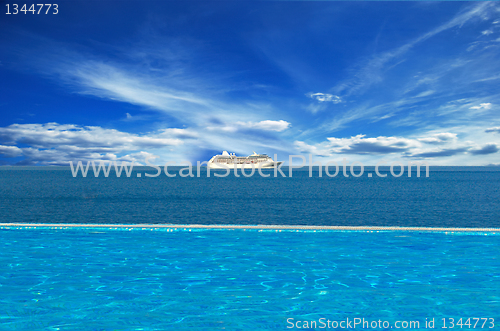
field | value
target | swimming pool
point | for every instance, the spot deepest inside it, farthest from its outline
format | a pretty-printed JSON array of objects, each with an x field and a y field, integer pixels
[{"x": 207, "y": 279}]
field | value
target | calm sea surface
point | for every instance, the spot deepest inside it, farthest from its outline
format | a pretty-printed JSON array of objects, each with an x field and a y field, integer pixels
[{"x": 450, "y": 197}]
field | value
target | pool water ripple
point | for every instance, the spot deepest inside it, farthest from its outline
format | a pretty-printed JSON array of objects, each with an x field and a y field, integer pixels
[{"x": 76, "y": 279}]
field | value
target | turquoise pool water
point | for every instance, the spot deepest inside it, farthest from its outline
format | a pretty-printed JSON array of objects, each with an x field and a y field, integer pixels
[{"x": 133, "y": 279}]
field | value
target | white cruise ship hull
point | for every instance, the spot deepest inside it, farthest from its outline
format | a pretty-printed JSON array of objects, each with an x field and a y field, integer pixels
[{"x": 262, "y": 165}]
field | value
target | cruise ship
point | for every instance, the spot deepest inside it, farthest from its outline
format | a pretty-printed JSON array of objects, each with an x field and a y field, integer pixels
[{"x": 227, "y": 160}]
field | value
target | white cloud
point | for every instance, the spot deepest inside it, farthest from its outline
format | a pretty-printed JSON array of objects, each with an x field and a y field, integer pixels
[
  {"x": 469, "y": 146},
  {"x": 178, "y": 133},
  {"x": 54, "y": 143},
  {"x": 482, "y": 106},
  {"x": 266, "y": 125},
  {"x": 439, "y": 138},
  {"x": 56, "y": 135},
  {"x": 325, "y": 97},
  {"x": 379, "y": 145},
  {"x": 10, "y": 151},
  {"x": 57, "y": 144},
  {"x": 360, "y": 145},
  {"x": 487, "y": 32},
  {"x": 490, "y": 148},
  {"x": 494, "y": 129}
]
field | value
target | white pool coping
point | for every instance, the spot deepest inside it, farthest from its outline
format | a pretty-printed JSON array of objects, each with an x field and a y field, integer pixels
[{"x": 250, "y": 227}]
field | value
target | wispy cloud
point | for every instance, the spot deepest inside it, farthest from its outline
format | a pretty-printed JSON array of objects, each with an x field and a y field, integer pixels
[
  {"x": 425, "y": 94},
  {"x": 267, "y": 125},
  {"x": 134, "y": 118},
  {"x": 362, "y": 112},
  {"x": 487, "y": 79},
  {"x": 191, "y": 103},
  {"x": 433, "y": 86},
  {"x": 372, "y": 70},
  {"x": 156, "y": 75},
  {"x": 110, "y": 82}
]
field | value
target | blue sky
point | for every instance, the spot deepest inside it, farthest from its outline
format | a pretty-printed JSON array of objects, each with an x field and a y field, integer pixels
[{"x": 184, "y": 80}]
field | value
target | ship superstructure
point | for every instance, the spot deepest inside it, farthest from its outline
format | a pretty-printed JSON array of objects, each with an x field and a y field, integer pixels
[{"x": 230, "y": 160}]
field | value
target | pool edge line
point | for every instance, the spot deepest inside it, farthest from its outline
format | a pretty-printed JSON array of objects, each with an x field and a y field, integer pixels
[{"x": 250, "y": 227}]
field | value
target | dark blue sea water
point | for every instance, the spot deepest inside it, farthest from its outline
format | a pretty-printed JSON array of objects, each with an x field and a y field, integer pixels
[{"x": 449, "y": 197}]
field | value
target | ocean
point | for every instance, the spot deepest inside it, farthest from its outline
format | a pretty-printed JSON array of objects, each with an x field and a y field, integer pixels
[{"x": 449, "y": 197}]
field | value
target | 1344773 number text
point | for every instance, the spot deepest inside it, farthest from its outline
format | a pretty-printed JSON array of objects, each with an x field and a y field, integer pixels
[{"x": 34, "y": 9}]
